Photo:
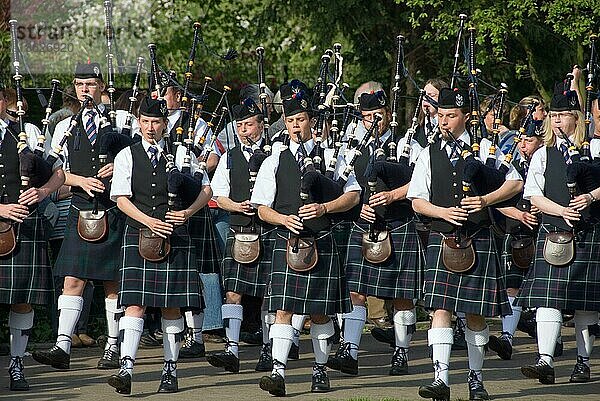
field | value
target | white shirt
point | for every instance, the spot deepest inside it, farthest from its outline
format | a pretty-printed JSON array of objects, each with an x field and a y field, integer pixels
[
  {"x": 420, "y": 184},
  {"x": 595, "y": 147},
  {"x": 221, "y": 181},
  {"x": 201, "y": 130},
  {"x": 265, "y": 187},
  {"x": 32, "y": 134},
  {"x": 123, "y": 165},
  {"x": 121, "y": 117}
]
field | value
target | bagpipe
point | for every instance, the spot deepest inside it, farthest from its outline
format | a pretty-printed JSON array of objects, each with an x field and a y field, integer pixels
[
  {"x": 126, "y": 131},
  {"x": 260, "y": 53}
]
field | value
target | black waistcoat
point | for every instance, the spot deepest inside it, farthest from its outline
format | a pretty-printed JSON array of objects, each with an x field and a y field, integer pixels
[
  {"x": 446, "y": 190},
  {"x": 184, "y": 123},
  {"x": 239, "y": 178},
  {"x": 512, "y": 226},
  {"x": 287, "y": 196},
  {"x": 10, "y": 177},
  {"x": 555, "y": 187},
  {"x": 420, "y": 136},
  {"x": 148, "y": 185}
]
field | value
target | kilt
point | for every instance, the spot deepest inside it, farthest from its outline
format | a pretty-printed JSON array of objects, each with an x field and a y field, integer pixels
[
  {"x": 202, "y": 233},
  {"x": 249, "y": 279},
  {"x": 513, "y": 275},
  {"x": 398, "y": 277},
  {"x": 480, "y": 291},
  {"x": 91, "y": 260},
  {"x": 320, "y": 291},
  {"x": 341, "y": 234},
  {"x": 169, "y": 284},
  {"x": 25, "y": 274},
  {"x": 573, "y": 287}
]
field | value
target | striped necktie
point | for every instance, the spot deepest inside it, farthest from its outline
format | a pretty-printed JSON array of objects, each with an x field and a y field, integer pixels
[
  {"x": 454, "y": 153},
  {"x": 565, "y": 152},
  {"x": 300, "y": 160},
  {"x": 90, "y": 127},
  {"x": 153, "y": 159}
]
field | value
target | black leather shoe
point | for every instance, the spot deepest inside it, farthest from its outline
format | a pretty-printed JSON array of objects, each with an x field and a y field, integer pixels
[
  {"x": 121, "y": 382},
  {"x": 459, "y": 343},
  {"x": 527, "y": 324},
  {"x": 581, "y": 372},
  {"x": 343, "y": 361},
  {"x": 385, "y": 336},
  {"x": 476, "y": 390},
  {"x": 192, "y": 349},
  {"x": 320, "y": 380},
  {"x": 274, "y": 384},
  {"x": 438, "y": 390},
  {"x": 252, "y": 338},
  {"x": 294, "y": 352},
  {"x": 168, "y": 382},
  {"x": 109, "y": 360},
  {"x": 17, "y": 378},
  {"x": 399, "y": 362},
  {"x": 55, "y": 357},
  {"x": 225, "y": 360},
  {"x": 558, "y": 349},
  {"x": 541, "y": 371},
  {"x": 501, "y": 345},
  {"x": 265, "y": 362}
]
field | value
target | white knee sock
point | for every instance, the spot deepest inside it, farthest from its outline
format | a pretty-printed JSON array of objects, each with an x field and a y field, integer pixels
[
  {"x": 298, "y": 325},
  {"x": 266, "y": 320},
  {"x": 132, "y": 328},
  {"x": 509, "y": 323},
  {"x": 194, "y": 320},
  {"x": 404, "y": 326},
  {"x": 232, "y": 320},
  {"x": 281, "y": 340},
  {"x": 172, "y": 333},
  {"x": 70, "y": 307},
  {"x": 476, "y": 341},
  {"x": 585, "y": 341},
  {"x": 548, "y": 321},
  {"x": 441, "y": 340},
  {"x": 113, "y": 314},
  {"x": 354, "y": 322},
  {"x": 20, "y": 325},
  {"x": 321, "y": 334}
]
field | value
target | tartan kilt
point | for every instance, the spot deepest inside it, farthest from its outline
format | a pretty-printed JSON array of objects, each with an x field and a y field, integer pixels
[
  {"x": 480, "y": 291},
  {"x": 249, "y": 279},
  {"x": 25, "y": 274},
  {"x": 341, "y": 234},
  {"x": 202, "y": 233},
  {"x": 573, "y": 287},
  {"x": 399, "y": 277},
  {"x": 513, "y": 275},
  {"x": 175, "y": 282},
  {"x": 320, "y": 291},
  {"x": 91, "y": 260}
]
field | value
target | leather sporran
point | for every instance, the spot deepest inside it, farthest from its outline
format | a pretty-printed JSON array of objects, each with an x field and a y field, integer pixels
[
  {"x": 522, "y": 251},
  {"x": 152, "y": 247},
  {"x": 559, "y": 248},
  {"x": 301, "y": 253},
  {"x": 458, "y": 256},
  {"x": 92, "y": 227},
  {"x": 8, "y": 239},
  {"x": 379, "y": 250},
  {"x": 246, "y": 247}
]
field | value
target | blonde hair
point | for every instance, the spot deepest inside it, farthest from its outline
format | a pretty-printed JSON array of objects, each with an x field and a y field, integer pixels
[
  {"x": 550, "y": 137},
  {"x": 519, "y": 111}
]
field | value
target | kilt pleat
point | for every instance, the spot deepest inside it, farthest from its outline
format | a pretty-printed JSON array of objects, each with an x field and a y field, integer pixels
[
  {"x": 398, "y": 277},
  {"x": 341, "y": 234},
  {"x": 172, "y": 283},
  {"x": 25, "y": 274},
  {"x": 79, "y": 258},
  {"x": 513, "y": 275},
  {"x": 320, "y": 291},
  {"x": 250, "y": 279},
  {"x": 202, "y": 233},
  {"x": 480, "y": 291},
  {"x": 572, "y": 287}
]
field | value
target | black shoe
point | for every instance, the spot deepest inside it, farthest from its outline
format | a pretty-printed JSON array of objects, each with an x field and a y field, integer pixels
[
  {"x": 192, "y": 349},
  {"x": 385, "y": 336},
  {"x": 541, "y": 371},
  {"x": 294, "y": 352},
  {"x": 274, "y": 384},
  {"x": 109, "y": 360},
  {"x": 459, "y": 337},
  {"x": 320, "y": 380},
  {"x": 399, "y": 362},
  {"x": 476, "y": 390},
  {"x": 501, "y": 345},
  {"x": 150, "y": 340},
  {"x": 55, "y": 357},
  {"x": 265, "y": 362},
  {"x": 343, "y": 361},
  {"x": 121, "y": 382},
  {"x": 581, "y": 371},
  {"x": 168, "y": 381},
  {"x": 255, "y": 338},
  {"x": 558, "y": 349},
  {"x": 438, "y": 390},
  {"x": 225, "y": 360},
  {"x": 17, "y": 378},
  {"x": 527, "y": 324}
]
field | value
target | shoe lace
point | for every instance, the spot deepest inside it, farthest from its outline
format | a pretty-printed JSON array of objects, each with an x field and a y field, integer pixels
[
  {"x": 169, "y": 368},
  {"x": 400, "y": 356},
  {"x": 265, "y": 352},
  {"x": 439, "y": 367},
  {"x": 127, "y": 362},
  {"x": 229, "y": 344},
  {"x": 108, "y": 353},
  {"x": 473, "y": 379},
  {"x": 506, "y": 335},
  {"x": 16, "y": 369},
  {"x": 541, "y": 362},
  {"x": 278, "y": 364},
  {"x": 188, "y": 340},
  {"x": 319, "y": 372},
  {"x": 580, "y": 366},
  {"x": 344, "y": 350}
]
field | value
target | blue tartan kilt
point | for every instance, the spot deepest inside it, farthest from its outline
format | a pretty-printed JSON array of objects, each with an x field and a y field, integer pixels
[
  {"x": 91, "y": 260},
  {"x": 250, "y": 279},
  {"x": 572, "y": 287},
  {"x": 513, "y": 275},
  {"x": 320, "y": 291},
  {"x": 172, "y": 283},
  {"x": 480, "y": 291},
  {"x": 399, "y": 277},
  {"x": 25, "y": 274},
  {"x": 202, "y": 233},
  {"x": 341, "y": 234}
]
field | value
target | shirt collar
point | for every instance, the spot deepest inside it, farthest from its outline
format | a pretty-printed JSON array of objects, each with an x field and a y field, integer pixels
[
  {"x": 464, "y": 137},
  {"x": 308, "y": 145},
  {"x": 160, "y": 145}
]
